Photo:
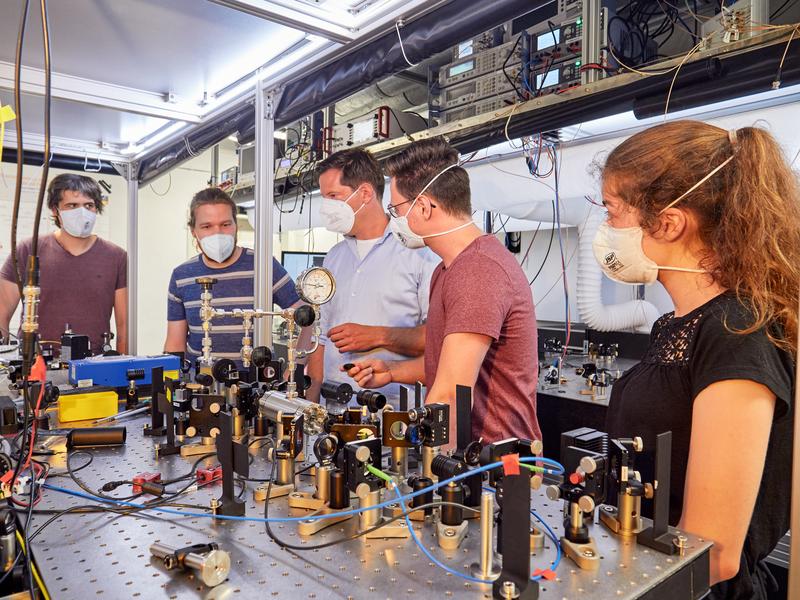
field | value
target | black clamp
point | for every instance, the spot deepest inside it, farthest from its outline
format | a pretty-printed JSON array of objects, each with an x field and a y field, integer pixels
[{"x": 177, "y": 558}]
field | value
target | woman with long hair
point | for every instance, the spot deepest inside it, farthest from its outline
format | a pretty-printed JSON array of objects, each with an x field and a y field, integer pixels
[{"x": 714, "y": 215}]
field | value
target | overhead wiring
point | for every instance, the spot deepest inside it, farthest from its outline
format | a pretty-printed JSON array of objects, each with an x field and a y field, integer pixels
[
  {"x": 402, "y": 48},
  {"x": 20, "y": 147},
  {"x": 47, "y": 104},
  {"x": 169, "y": 187},
  {"x": 568, "y": 316}
]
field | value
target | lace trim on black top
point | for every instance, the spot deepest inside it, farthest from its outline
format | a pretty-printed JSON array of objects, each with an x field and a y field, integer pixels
[
  {"x": 671, "y": 340},
  {"x": 672, "y": 336}
]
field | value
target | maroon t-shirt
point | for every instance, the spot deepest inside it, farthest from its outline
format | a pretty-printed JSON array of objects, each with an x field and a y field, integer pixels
[
  {"x": 78, "y": 290},
  {"x": 485, "y": 291}
]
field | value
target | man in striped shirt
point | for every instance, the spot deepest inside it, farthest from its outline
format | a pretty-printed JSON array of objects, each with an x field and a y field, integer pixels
[{"x": 213, "y": 224}]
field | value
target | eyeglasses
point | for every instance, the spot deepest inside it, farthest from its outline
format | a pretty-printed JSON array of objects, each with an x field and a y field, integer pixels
[{"x": 392, "y": 208}]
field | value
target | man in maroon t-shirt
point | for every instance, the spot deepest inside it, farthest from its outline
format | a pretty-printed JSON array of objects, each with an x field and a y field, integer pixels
[
  {"x": 481, "y": 328},
  {"x": 82, "y": 277}
]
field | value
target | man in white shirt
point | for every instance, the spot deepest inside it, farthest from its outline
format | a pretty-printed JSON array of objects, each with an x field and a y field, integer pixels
[{"x": 381, "y": 300}]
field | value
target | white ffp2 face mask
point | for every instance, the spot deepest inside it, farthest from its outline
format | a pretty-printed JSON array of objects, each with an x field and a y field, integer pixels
[
  {"x": 218, "y": 247},
  {"x": 619, "y": 251},
  {"x": 402, "y": 230},
  {"x": 78, "y": 222},
  {"x": 621, "y": 257},
  {"x": 337, "y": 214}
]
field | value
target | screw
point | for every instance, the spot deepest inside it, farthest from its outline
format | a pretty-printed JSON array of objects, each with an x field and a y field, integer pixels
[
  {"x": 680, "y": 542},
  {"x": 510, "y": 590},
  {"x": 449, "y": 532},
  {"x": 214, "y": 505},
  {"x": 588, "y": 553}
]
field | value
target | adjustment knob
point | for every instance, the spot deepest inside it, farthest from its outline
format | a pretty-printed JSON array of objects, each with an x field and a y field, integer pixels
[
  {"x": 363, "y": 454},
  {"x": 304, "y": 315},
  {"x": 588, "y": 464},
  {"x": 363, "y": 490},
  {"x": 552, "y": 492},
  {"x": 586, "y": 504},
  {"x": 649, "y": 491},
  {"x": 261, "y": 357}
]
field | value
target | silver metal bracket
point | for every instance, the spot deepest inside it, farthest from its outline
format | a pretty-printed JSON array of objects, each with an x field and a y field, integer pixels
[{"x": 450, "y": 536}]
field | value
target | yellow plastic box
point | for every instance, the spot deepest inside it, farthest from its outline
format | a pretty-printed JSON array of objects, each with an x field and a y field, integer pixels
[{"x": 83, "y": 404}]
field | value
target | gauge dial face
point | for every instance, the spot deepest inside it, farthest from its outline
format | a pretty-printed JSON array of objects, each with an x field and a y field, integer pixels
[{"x": 316, "y": 285}]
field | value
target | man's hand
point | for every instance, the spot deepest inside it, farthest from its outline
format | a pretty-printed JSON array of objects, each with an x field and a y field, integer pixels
[
  {"x": 352, "y": 337},
  {"x": 371, "y": 373}
]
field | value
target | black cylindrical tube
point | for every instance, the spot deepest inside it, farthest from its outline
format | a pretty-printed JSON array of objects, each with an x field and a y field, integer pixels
[
  {"x": 452, "y": 515},
  {"x": 445, "y": 467},
  {"x": 43, "y": 422},
  {"x": 420, "y": 483},
  {"x": 180, "y": 426},
  {"x": 96, "y": 436},
  {"x": 340, "y": 496}
]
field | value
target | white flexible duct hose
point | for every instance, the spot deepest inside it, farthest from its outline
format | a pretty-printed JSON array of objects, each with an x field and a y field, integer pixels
[{"x": 635, "y": 314}]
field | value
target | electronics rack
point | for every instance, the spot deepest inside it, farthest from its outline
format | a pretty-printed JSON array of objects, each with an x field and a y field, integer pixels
[
  {"x": 383, "y": 123},
  {"x": 544, "y": 58}
]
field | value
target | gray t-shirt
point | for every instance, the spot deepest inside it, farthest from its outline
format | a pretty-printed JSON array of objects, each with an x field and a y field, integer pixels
[{"x": 78, "y": 290}]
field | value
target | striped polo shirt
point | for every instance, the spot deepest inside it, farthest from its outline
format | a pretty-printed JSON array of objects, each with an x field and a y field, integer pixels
[{"x": 234, "y": 289}]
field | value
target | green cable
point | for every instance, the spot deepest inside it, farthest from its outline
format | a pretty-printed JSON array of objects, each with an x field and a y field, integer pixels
[
  {"x": 532, "y": 468},
  {"x": 379, "y": 473}
]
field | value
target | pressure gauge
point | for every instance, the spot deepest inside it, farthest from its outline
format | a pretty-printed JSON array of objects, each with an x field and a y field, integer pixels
[{"x": 316, "y": 285}]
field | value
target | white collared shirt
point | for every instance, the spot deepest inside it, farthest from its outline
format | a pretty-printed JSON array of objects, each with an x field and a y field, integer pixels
[{"x": 389, "y": 287}]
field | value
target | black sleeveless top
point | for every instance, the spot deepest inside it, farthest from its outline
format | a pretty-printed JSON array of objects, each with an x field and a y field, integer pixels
[{"x": 686, "y": 355}]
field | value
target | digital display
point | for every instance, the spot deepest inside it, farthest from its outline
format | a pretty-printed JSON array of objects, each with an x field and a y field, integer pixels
[
  {"x": 464, "y": 49},
  {"x": 363, "y": 130},
  {"x": 458, "y": 91},
  {"x": 462, "y": 68},
  {"x": 550, "y": 78},
  {"x": 545, "y": 40}
]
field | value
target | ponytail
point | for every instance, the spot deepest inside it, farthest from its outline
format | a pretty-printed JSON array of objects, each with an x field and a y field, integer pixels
[{"x": 757, "y": 239}]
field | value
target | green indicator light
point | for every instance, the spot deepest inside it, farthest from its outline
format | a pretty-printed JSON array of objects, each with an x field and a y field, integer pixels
[
  {"x": 577, "y": 63},
  {"x": 579, "y": 21}
]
